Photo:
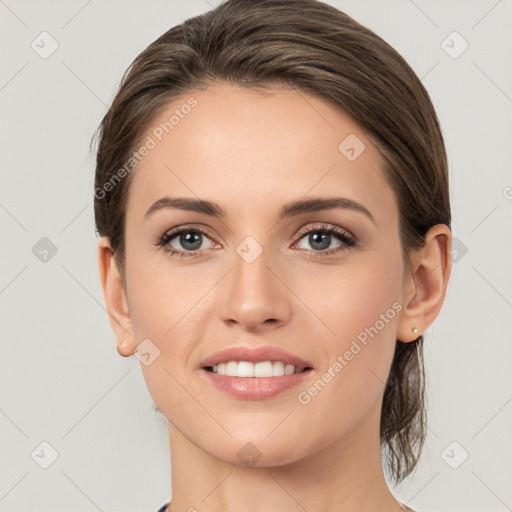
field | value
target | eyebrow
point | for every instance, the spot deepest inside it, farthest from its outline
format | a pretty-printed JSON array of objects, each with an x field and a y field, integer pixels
[{"x": 288, "y": 210}]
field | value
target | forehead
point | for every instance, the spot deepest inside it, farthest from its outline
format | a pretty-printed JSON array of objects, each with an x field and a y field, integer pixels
[{"x": 248, "y": 149}]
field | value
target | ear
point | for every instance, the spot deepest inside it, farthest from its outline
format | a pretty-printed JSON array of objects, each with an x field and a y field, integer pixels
[
  {"x": 425, "y": 283},
  {"x": 115, "y": 299}
]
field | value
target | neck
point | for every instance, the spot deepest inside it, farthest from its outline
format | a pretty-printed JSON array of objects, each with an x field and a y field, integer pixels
[{"x": 341, "y": 477}]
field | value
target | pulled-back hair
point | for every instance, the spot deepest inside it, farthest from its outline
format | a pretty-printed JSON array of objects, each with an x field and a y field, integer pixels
[{"x": 317, "y": 49}]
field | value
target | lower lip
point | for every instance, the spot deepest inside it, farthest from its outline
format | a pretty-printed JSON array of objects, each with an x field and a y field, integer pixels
[{"x": 255, "y": 388}]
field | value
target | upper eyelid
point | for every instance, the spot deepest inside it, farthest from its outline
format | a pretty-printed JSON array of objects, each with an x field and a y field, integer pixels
[
  {"x": 324, "y": 227},
  {"x": 179, "y": 229}
]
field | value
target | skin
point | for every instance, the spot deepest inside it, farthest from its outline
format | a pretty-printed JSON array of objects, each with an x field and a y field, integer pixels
[{"x": 252, "y": 152}]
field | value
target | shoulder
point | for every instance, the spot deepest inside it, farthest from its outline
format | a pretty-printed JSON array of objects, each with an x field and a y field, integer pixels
[{"x": 163, "y": 507}]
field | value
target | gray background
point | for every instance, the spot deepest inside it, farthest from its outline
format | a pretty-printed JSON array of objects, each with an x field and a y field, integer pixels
[{"x": 62, "y": 381}]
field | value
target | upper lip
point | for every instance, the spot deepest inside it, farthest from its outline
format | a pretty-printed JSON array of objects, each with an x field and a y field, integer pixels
[{"x": 254, "y": 355}]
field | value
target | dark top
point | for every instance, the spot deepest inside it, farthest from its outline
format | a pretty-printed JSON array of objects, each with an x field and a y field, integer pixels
[{"x": 162, "y": 509}]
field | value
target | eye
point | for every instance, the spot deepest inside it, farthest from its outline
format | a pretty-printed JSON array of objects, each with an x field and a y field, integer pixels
[
  {"x": 188, "y": 241},
  {"x": 321, "y": 238},
  {"x": 185, "y": 241}
]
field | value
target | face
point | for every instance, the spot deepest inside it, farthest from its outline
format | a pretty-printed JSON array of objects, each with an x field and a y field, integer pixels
[{"x": 296, "y": 263}]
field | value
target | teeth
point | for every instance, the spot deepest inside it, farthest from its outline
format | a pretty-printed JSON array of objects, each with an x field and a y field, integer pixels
[
  {"x": 262, "y": 369},
  {"x": 232, "y": 369},
  {"x": 277, "y": 369},
  {"x": 289, "y": 369},
  {"x": 245, "y": 369}
]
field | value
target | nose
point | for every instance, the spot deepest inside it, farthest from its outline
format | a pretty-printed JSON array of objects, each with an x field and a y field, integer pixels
[{"x": 255, "y": 296}]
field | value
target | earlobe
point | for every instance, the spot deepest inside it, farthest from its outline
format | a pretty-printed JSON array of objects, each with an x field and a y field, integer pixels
[
  {"x": 125, "y": 348},
  {"x": 115, "y": 299},
  {"x": 425, "y": 286}
]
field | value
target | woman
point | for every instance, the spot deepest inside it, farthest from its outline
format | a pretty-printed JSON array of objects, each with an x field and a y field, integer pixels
[{"x": 272, "y": 200}]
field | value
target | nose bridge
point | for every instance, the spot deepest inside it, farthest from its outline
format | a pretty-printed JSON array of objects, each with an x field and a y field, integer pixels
[{"x": 255, "y": 295}]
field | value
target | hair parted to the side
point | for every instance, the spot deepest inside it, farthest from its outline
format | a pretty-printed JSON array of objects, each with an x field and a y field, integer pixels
[{"x": 317, "y": 49}]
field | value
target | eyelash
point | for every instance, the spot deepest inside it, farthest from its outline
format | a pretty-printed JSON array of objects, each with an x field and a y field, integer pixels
[{"x": 348, "y": 241}]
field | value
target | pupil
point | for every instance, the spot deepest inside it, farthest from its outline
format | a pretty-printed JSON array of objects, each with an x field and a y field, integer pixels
[{"x": 313, "y": 239}]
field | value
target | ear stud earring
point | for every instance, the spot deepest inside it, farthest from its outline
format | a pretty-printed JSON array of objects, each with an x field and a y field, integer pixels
[{"x": 415, "y": 330}]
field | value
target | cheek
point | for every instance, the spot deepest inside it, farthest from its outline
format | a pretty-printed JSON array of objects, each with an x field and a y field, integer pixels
[
  {"x": 161, "y": 295},
  {"x": 351, "y": 298},
  {"x": 360, "y": 306},
  {"x": 170, "y": 306}
]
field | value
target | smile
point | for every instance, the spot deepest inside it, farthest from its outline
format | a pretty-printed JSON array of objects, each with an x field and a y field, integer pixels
[{"x": 258, "y": 370}]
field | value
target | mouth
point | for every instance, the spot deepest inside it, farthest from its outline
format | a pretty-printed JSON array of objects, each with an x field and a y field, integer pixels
[{"x": 255, "y": 374}]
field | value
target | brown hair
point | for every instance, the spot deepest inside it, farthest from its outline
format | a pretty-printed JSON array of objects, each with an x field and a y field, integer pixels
[{"x": 315, "y": 48}]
